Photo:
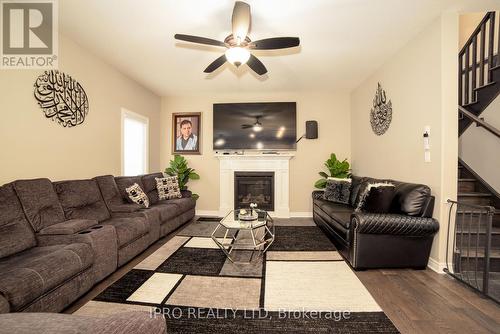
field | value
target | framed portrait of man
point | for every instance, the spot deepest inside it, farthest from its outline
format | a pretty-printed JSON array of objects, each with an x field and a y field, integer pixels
[{"x": 186, "y": 133}]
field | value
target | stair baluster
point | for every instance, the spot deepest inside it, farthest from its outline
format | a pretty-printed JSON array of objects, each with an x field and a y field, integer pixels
[
  {"x": 491, "y": 39},
  {"x": 482, "y": 53},
  {"x": 498, "y": 45},
  {"x": 460, "y": 81},
  {"x": 466, "y": 89},
  {"x": 474, "y": 63}
]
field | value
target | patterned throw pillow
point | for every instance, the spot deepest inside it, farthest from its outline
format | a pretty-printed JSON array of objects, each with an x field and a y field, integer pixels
[
  {"x": 337, "y": 190},
  {"x": 168, "y": 187},
  {"x": 376, "y": 198},
  {"x": 137, "y": 195}
]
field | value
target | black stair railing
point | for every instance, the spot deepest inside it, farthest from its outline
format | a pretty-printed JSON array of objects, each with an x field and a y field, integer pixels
[
  {"x": 478, "y": 56},
  {"x": 470, "y": 245},
  {"x": 479, "y": 121}
]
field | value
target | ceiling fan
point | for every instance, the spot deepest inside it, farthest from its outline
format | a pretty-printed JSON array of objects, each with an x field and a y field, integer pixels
[
  {"x": 239, "y": 45},
  {"x": 256, "y": 127}
]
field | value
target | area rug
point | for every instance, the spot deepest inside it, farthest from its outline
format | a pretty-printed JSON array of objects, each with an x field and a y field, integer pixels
[{"x": 300, "y": 285}]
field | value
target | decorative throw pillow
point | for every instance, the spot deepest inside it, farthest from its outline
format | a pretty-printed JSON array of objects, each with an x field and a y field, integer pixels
[
  {"x": 168, "y": 187},
  {"x": 337, "y": 190},
  {"x": 379, "y": 200},
  {"x": 376, "y": 198},
  {"x": 137, "y": 195}
]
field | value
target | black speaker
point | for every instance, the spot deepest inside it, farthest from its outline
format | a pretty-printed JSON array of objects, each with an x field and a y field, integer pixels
[{"x": 311, "y": 130}]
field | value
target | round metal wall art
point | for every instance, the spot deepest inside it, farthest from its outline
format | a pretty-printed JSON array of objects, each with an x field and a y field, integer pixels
[
  {"x": 61, "y": 98},
  {"x": 381, "y": 113}
]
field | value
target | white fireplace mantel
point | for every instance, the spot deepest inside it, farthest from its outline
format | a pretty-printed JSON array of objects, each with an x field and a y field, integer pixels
[{"x": 277, "y": 163}]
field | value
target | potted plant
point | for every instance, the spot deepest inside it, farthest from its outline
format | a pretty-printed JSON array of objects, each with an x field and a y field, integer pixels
[
  {"x": 179, "y": 167},
  {"x": 336, "y": 168}
]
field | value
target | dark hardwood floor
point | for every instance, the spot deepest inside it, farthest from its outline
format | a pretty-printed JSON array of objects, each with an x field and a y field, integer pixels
[
  {"x": 417, "y": 301},
  {"x": 423, "y": 301}
]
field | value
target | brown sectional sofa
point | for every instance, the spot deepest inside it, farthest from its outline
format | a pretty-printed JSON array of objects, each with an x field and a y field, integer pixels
[
  {"x": 31, "y": 275},
  {"x": 58, "y": 239},
  {"x": 53, "y": 323},
  {"x": 81, "y": 199}
]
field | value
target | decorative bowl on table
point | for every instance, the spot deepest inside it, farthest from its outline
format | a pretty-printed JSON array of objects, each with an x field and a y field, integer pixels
[{"x": 247, "y": 215}]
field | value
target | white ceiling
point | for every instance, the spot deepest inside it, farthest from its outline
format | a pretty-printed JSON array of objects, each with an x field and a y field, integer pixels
[{"x": 342, "y": 41}]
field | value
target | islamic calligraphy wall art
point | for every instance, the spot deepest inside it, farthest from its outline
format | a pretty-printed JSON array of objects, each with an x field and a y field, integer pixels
[
  {"x": 381, "y": 113},
  {"x": 61, "y": 98}
]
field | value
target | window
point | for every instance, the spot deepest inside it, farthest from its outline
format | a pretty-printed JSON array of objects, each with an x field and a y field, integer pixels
[{"x": 135, "y": 141}]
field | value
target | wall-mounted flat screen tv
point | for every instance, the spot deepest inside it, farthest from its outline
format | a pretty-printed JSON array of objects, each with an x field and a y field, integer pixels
[{"x": 255, "y": 126}]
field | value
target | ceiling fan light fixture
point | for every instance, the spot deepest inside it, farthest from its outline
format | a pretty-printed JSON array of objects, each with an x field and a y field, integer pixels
[
  {"x": 239, "y": 44},
  {"x": 257, "y": 127},
  {"x": 237, "y": 55}
]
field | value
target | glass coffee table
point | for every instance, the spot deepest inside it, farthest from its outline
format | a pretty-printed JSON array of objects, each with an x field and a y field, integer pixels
[{"x": 261, "y": 231}]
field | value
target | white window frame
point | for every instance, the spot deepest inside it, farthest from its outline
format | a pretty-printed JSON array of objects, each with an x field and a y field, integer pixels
[{"x": 125, "y": 113}]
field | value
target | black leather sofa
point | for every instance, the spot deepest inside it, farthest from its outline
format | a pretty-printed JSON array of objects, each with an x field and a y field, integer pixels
[{"x": 401, "y": 238}]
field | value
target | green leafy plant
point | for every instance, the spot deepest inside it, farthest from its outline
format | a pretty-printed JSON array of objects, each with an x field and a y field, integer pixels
[
  {"x": 179, "y": 166},
  {"x": 336, "y": 168}
]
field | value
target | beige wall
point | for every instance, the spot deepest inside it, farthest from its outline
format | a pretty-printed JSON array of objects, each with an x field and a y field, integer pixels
[
  {"x": 468, "y": 23},
  {"x": 33, "y": 146},
  {"x": 485, "y": 161},
  {"x": 420, "y": 80},
  {"x": 331, "y": 110}
]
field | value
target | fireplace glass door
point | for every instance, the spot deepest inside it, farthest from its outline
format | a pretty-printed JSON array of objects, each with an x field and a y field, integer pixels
[{"x": 254, "y": 187}]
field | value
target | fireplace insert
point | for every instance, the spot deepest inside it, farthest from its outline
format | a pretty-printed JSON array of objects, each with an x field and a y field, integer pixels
[{"x": 254, "y": 187}]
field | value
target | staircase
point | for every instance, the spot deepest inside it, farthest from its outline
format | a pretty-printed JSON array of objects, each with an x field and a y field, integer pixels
[{"x": 476, "y": 238}]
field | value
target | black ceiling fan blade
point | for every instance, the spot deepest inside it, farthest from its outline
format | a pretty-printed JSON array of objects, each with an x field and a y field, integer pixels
[
  {"x": 199, "y": 40},
  {"x": 256, "y": 65},
  {"x": 215, "y": 64},
  {"x": 246, "y": 126},
  {"x": 275, "y": 43},
  {"x": 241, "y": 20}
]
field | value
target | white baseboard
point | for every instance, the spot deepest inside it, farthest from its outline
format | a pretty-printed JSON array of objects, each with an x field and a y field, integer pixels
[
  {"x": 207, "y": 213},
  {"x": 299, "y": 214},
  {"x": 436, "y": 266}
]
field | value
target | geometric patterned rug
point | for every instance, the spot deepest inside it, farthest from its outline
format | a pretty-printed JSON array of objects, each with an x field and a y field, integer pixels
[{"x": 300, "y": 285}]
